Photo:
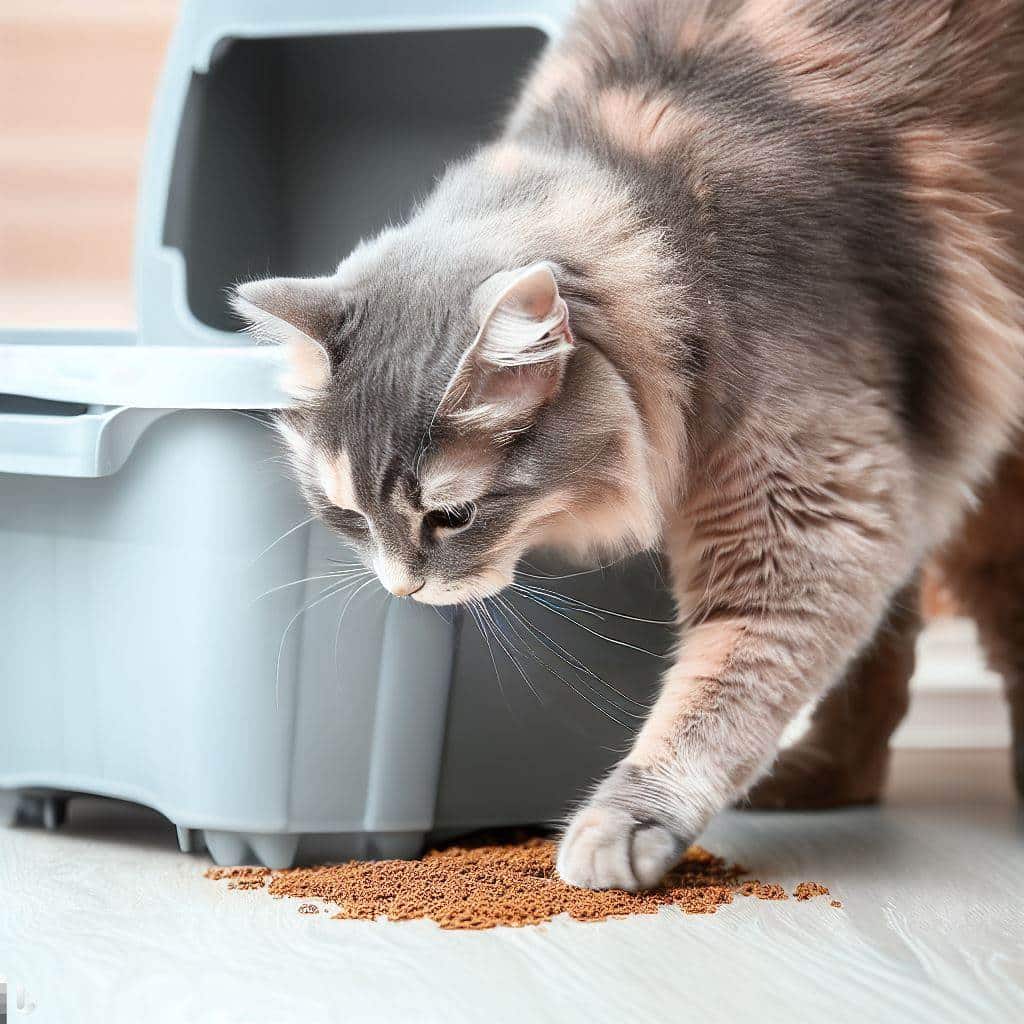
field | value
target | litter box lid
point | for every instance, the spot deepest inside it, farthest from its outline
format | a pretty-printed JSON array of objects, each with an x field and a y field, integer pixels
[
  {"x": 109, "y": 368},
  {"x": 75, "y": 402},
  {"x": 240, "y": 178}
]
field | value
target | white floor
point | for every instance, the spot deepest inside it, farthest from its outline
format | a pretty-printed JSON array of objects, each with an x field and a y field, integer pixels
[{"x": 106, "y": 922}]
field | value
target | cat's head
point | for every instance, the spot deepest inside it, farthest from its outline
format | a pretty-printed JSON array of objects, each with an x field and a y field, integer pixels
[{"x": 448, "y": 417}]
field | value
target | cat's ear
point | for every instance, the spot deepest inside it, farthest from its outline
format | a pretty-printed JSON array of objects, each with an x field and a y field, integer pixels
[
  {"x": 516, "y": 364},
  {"x": 298, "y": 313}
]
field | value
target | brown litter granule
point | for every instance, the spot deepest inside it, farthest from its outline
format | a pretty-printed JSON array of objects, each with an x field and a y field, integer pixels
[
  {"x": 808, "y": 890},
  {"x": 837, "y": 904},
  {"x": 486, "y": 884},
  {"x": 763, "y": 890},
  {"x": 240, "y": 878},
  {"x": 308, "y": 908}
]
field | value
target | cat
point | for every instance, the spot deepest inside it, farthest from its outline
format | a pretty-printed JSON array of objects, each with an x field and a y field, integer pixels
[{"x": 740, "y": 281}]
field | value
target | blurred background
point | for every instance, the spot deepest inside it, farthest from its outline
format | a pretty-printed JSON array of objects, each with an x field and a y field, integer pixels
[{"x": 77, "y": 78}]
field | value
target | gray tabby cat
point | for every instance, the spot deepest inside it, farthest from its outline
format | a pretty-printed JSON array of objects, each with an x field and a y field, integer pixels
[{"x": 741, "y": 281}]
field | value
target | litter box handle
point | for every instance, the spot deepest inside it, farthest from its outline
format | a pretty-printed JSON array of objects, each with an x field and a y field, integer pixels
[{"x": 89, "y": 445}]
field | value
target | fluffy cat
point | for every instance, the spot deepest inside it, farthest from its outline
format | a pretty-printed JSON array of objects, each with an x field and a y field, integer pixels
[{"x": 739, "y": 280}]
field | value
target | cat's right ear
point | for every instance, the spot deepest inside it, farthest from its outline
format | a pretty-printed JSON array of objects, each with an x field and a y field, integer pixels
[
  {"x": 298, "y": 313},
  {"x": 517, "y": 362}
]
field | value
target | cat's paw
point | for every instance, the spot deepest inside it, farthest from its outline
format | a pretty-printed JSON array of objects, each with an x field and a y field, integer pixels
[{"x": 609, "y": 848}]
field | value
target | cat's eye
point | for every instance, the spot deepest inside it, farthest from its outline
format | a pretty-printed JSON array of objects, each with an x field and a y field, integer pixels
[
  {"x": 455, "y": 517},
  {"x": 347, "y": 520}
]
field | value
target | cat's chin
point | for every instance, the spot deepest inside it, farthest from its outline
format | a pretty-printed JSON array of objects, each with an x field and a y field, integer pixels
[{"x": 477, "y": 588}]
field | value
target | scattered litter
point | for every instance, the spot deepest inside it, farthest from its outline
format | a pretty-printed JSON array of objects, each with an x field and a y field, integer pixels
[
  {"x": 487, "y": 884},
  {"x": 808, "y": 890}
]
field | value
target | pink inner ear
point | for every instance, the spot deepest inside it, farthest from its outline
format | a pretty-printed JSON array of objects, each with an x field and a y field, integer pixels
[
  {"x": 537, "y": 294},
  {"x": 517, "y": 362},
  {"x": 297, "y": 313},
  {"x": 309, "y": 367},
  {"x": 522, "y": 388}
]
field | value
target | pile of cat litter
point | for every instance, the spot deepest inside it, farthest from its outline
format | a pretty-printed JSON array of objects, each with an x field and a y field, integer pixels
[{"x": 491, "y": 884}]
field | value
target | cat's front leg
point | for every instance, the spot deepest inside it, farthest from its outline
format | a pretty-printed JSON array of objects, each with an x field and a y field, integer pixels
[
  {"x": 790, "y": 582},
  {"x": 712, "y": 728}
]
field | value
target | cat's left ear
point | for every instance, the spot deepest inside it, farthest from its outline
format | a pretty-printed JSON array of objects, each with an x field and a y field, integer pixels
[
  {"x": 300, "y": 314},
  {"x": 517, "y": 362}
]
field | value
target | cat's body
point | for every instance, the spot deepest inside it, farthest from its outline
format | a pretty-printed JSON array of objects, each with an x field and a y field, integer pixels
[{"x": 742, "y": 280}]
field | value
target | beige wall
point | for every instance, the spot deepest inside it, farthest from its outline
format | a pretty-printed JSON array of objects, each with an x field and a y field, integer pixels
[{"x": 77, "y": 78}]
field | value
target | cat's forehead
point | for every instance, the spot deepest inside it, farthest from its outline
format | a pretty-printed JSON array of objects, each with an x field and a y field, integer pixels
[
  {"x": 456, "y": 472},
  {"x": 365, "y": 471}
]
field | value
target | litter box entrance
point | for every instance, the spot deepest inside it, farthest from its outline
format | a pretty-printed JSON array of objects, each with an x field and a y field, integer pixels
[{"x": 293, "y": 149}]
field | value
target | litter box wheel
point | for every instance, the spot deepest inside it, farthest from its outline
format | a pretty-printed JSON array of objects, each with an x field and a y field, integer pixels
[
  {"x": 188, "y": 839},
  {"x": 272, "y": 850},
  {"x": 9, "y": 800},
  {"x": 49, "y": 812}
]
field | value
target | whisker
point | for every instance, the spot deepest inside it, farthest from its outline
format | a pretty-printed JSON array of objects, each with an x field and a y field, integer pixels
[
  {"x": 549, "y": 596},
  {"x": 329, "y": 591},
  {"x": 594, "y": 609},
  {"x": 553, "y": 603},
  {"x": 440, "y": 614},
  {"x": 570, "y": 659},
  {"x": 473, "y": 608},
  {"x": 352, "y": 563},
  {"x": 341, "y": 618},
  {"x": 308, "y": 579},
  {"x": 568, "y": 575},
  {"x": 287, "y": 533},
  {"x": 547, "y": 668},
  {"x": 260, "y": 420},
  {"x": 579, "y": 667},
  {"x": 504, "y": 643},
  {"x": 594, "y": 632},
  {"x": 656, "y": 567}
]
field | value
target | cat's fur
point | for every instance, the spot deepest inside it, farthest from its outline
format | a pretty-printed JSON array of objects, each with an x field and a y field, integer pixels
[{"x": 741, "y": 279}]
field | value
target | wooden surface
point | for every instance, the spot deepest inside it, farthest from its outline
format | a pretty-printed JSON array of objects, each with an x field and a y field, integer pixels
[
  {"x": 77, "y": 78},
  {"x": 107, "y": 922}
]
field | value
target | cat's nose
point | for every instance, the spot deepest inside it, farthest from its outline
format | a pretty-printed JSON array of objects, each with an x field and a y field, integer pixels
[
  {"x": 395, "y": 576},
  {"x": 406, "y": 589}
]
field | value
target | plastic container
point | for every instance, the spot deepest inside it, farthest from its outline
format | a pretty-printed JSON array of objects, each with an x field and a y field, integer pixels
[{"x": 155, "y": 643}]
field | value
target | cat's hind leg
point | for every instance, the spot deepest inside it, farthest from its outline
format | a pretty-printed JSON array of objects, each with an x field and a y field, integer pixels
[
  {"x": 843, "y": 758},
  {"x": 985, "y": 568}
]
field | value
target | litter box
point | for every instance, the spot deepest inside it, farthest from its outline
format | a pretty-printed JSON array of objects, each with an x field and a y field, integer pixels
[{"x": 154, "y": 643}]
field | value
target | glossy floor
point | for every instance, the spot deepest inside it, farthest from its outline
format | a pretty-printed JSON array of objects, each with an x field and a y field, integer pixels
[{"x": 105, "y": 921}]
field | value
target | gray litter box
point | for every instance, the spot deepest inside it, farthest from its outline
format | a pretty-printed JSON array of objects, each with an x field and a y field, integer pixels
[{"x": 152, "y": 647}]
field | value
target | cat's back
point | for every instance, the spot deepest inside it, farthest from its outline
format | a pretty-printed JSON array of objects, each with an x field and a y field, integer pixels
[
  {"x": 647, "y": 74},
  {"x": 899, "y": 57},
  {"x": 846, "y": 168}
]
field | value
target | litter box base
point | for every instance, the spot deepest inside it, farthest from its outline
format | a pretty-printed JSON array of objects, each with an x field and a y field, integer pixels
[
  {"x": 44, "y": 808},
  {"x": 282, "y": 850},
  {"x": 40, "y": 808}
]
